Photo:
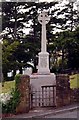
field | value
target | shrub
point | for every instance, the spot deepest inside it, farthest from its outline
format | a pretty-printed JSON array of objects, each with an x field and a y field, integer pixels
[
  {"x": 12, "y": 100},
  {"x": 10, "y": 105}
]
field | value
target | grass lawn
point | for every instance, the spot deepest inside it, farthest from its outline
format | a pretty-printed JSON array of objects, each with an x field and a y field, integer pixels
[
  {"x": 74, "y": 81},
  {"x": 7, "y": 86}
]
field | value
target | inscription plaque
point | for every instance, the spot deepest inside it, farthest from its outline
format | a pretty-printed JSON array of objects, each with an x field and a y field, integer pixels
[{"x": 43, "y": 62}]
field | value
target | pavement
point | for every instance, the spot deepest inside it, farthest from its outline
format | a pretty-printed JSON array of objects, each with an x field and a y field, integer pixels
[
  {"x": 43, "y": 112},
  {"x": 68, "y": 114}
]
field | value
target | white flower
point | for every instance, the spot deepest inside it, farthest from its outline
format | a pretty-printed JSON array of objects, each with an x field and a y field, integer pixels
[{"x": 5, "y": 97}]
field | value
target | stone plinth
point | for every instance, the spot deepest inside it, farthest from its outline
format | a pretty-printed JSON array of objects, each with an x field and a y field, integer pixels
[
  {"x": 37, "y": 80},
  {"x": 42, "y": 96},
  {"x": 43, "y": 64}
]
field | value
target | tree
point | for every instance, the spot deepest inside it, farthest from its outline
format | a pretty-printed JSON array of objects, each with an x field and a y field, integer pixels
[
  {"x": 12, "y": 19},
  {"x": 67, "y": 17},
  {"x": 14, "y": 28},
  {"x": 67, "y": 50},
  {"x": 7, "y": 58},
  {"x": 73, "y": 50},
  {"x": 66, "y": 20}
]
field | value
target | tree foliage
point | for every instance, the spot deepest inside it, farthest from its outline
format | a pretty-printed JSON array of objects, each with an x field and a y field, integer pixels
[{"x": 7, "y": 56}]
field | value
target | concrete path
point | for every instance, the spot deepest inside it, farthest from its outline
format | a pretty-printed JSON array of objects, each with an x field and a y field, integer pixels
[
  {"x": 50, "y": 112},
  {"x": 67, "y": 114}
]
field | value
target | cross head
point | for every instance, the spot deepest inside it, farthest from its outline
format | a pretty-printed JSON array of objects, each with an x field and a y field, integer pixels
[{"x": 43, "y": 18}]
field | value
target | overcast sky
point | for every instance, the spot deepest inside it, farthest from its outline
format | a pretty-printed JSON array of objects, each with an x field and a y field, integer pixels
[
  {"x": 34, "y": 0},
  {"x": 29, "y": 0},
  {"x": 48, "y": 0}
]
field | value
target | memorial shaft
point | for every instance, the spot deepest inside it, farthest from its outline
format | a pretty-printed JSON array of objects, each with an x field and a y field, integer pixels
[{"x": 43, "y": 41}]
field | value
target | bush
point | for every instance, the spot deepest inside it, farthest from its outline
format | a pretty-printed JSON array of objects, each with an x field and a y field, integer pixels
[{"x": 10, "y": 105}]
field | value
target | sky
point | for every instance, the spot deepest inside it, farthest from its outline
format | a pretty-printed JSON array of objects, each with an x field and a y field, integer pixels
[
  {"x": 48, "y": 0},
  {"x": 35, "y": 0}
]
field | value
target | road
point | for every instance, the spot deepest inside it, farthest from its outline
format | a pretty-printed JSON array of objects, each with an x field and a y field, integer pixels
[{"x": 67, "y": 114}]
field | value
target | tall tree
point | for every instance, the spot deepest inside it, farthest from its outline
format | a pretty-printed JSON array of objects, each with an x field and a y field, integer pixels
[
  {"x": 73, "y": 50},
  {"x": 13, "y": 30},
  {"x": 7, "y": 56}
]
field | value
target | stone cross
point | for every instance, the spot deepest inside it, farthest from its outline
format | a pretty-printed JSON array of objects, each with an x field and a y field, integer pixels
[
  {"x": 43, "y": 19},
  {"x": 43, "y": 63}
]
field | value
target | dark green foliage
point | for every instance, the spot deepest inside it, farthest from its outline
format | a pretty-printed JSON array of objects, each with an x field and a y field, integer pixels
[
  {"x": 11, "y": 105},
  {"x": 17, "y": 80},
  {"x": 8, "y": 62},
  {"x": 66, "y": 42},
  {"x": 73, "y": 55}
]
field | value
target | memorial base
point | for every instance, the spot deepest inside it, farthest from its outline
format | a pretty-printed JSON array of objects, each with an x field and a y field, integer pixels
[
  {"x": 43, "y": 63},
  {"x": 43, "y": 90},
  {"x": 37, "y": 81}
]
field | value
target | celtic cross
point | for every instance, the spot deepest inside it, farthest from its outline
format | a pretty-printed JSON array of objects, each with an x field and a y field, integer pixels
[{"x": 43, "y": 19}]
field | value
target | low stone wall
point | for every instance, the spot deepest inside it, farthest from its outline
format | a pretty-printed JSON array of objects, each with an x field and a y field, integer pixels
[
  {"x": 24, "y": 89},
  {"x": 65, "y": 95},
  {"x": 74, "y": 95},
  {"x": 62, "y": 90}
]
